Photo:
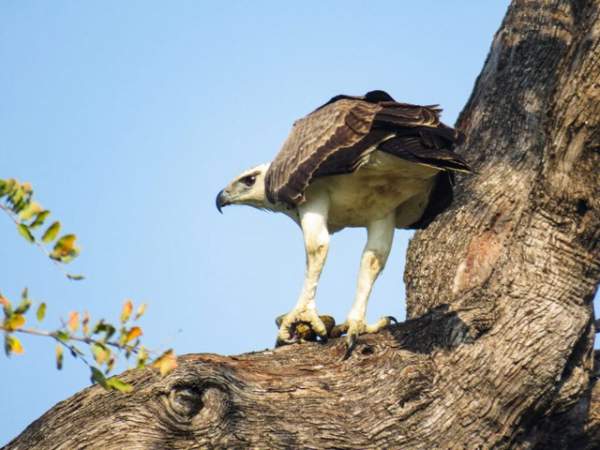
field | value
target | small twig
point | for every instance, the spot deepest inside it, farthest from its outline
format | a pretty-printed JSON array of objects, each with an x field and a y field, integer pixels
[
  {"x": 74, "y": 351},
  {"x": 86, "y": 340}
]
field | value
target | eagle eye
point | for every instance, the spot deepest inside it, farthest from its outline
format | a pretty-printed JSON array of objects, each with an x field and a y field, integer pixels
[{"x": 249, "y": 180}]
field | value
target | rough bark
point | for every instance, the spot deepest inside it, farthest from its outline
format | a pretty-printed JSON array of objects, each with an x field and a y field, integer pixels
[{"x": 498, "y": 348}]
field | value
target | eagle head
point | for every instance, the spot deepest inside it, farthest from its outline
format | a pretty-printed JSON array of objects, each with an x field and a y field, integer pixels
[{"x": 248, "y": 188}]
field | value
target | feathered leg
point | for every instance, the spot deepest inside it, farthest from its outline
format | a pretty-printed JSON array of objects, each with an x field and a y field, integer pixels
[
  {"x": 375, "y": 254},
  {"x": 313, "y": 220}
]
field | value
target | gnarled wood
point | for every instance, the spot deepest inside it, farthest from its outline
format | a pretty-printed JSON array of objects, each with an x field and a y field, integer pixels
[{"x": 498, "y": 348}]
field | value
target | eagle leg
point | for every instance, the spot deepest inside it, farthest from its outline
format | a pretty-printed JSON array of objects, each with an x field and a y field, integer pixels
[
  {"x": 379, "y": 243},
  {"x": 313, "y": 221}
]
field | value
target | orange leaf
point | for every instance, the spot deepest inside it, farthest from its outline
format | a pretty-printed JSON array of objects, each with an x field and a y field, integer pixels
[
  {"x": 15, "y": 346},
  {"x": 140, "y": 311},
  {"x": 126, "y": 311},
  {"x": 165, "y": 362},
  {"x": 132, "y": 334},
  {"x": 73, "y": 322},
  {"x": 4, "y": 301},
  {"x": 101, "y": 353},
  {"x": 85, "y": 323},
  {"x": 110, "y": 364}
]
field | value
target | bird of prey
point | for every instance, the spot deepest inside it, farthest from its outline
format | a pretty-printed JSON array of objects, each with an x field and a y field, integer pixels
[{"x": 356, "y": 161}]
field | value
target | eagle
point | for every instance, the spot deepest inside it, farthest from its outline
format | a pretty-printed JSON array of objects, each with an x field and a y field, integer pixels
[{"x": 356, "y": 161}]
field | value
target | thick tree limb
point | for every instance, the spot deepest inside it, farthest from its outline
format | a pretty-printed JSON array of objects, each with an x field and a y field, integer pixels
[{"x": 498, "y": 351}]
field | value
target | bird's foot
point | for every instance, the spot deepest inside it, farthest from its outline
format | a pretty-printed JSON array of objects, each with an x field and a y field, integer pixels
[
  {"x": 302, "y": 326},
  {"x": 354, "y": 328}
]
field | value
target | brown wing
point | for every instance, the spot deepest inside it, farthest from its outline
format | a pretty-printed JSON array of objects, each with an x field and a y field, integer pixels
[
  {"x": 336, "y": 138},
  {"x": 335, "y": 129},
  {"x": 419, "y": 136}
]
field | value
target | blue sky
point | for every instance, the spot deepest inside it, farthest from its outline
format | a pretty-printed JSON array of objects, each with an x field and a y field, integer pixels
[{"x": 129, "y": 117}]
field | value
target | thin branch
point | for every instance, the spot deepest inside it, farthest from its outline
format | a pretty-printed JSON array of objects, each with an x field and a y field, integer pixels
[{"x": 85, "y": 339}]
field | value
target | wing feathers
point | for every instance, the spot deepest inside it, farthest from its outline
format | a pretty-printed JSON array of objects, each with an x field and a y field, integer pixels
[
  {"x": 332, "y": 129},
  {"x": 338, "y": 136},
  {"x": 405, "y": 115},
  {"x": 413, "y": 148}
]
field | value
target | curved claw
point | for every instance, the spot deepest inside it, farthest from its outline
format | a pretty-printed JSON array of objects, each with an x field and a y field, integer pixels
[
  {"x": 351, "y": 340},
  {"x": 303, "y": 327},
  {"x": 355, "y": 328}
]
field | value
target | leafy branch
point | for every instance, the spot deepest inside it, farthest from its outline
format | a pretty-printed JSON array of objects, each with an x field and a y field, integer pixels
[
  {"x": 16, "y": 200},
  {"x": 103, "y": 339},
  {"x": 106, "y": 341}
]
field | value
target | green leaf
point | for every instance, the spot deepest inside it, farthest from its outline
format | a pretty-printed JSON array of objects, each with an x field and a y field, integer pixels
[
  {"x": 119, "y": 385},
  {"x": 142, "y": 357},
  {"x": 39, "y": 219},
  {"x": 65, "y": 249},
  {"x": 24, "y": 231},
  {"x": 110, "y": 330},
  {"x": 100, "y": 352},
  {"x": 14, "y": 321},
  {"x": 9, "y": 186},
  {"x": 51, "y": 233},
  {"x": 41, "y": 312},
  {"x": 70, "y": 276},
  {"x": 62, "y": 336},
  {"x": 25, "y": 303},
  {"x": 59, "y": 356},
  {"x": 98, "y": 377},
  {"x": 30, "y": 210},
  {"x": 16, "y": 198},
  {"x": 99, "y": 327},
  {"x": 23, "y": 306},
  {"x": 7, "y": 346},
  {"x": 103, "y": 327},
  {"x": 12, "y": 345}
]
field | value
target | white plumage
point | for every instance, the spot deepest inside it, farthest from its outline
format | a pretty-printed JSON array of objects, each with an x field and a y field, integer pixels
[{"x": 355, "y": 162}]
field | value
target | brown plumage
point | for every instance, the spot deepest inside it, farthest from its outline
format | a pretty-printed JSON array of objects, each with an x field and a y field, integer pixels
[
  {"x": 338, "y": 136},
  {"x": 367, "y": 162}
]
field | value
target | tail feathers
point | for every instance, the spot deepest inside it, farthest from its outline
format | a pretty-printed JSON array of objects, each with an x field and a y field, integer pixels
[{"x": 425, "y": 150}]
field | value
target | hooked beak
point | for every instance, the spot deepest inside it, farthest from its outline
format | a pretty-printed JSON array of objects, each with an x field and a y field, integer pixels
[{"x": 222, "y": 200}]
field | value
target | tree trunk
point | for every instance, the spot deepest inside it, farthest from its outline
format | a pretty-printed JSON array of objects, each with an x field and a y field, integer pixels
[{"x": 498, "y": 348}]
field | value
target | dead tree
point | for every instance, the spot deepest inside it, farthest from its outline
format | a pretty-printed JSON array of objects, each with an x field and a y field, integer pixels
[{"x": 498, "y": 348}]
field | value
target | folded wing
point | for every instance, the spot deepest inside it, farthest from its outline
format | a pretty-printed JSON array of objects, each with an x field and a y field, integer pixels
[{"x": 338, "y": 136}]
